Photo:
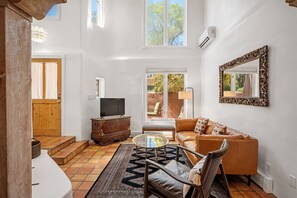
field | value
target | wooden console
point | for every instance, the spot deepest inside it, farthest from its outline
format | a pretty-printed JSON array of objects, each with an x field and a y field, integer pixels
[{"x": 110, "y": 129}]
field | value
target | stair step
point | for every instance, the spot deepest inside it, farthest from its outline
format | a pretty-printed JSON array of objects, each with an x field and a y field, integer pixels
[
  {"x": 55, "y": 144},
  {"x": 69, "y": 152}
]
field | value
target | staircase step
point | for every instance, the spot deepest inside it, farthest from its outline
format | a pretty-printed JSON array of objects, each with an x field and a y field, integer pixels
[
  {"x": 55, "y": 144},
  {"x": 67, "y": 153}
]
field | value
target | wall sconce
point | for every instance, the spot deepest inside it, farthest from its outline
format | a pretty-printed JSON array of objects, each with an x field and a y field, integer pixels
[
  {"x": 186, "y": 95},
  {"x": 39, "y": 35}
]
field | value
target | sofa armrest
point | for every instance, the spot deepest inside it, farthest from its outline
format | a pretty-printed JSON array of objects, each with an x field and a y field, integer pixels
[{"x": 185, "y": 124}]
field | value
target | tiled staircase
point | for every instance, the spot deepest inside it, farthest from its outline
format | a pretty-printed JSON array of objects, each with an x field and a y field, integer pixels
[{"x": 62, "y": 149}]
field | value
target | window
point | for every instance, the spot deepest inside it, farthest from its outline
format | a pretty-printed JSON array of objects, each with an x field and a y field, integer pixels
[
  {"x": 100, "y": 87},
  {"x": 97, "y": 12},
  {"x": 161, "y": 101},
  {"x": 165, "y": 23},
  {"x": 54, "y": 13}
]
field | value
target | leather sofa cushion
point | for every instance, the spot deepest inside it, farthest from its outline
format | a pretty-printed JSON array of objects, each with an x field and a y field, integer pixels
[
  {"x": 185, "y": 124},
  {"x": 185, "y": 136},
  {"x": 220, "y": 137},
  {"x": 165, "y": 184}
]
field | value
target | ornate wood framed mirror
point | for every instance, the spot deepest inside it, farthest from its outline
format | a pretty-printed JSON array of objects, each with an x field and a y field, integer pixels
[{"x": 245, "y": 79}]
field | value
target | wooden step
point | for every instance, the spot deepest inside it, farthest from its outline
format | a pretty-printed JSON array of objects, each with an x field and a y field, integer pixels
[
  {"x": 55, "y": 144},
  {"x": 67, "y": 153}
]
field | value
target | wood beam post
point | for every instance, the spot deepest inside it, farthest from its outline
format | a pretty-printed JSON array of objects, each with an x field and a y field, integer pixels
[{"x": 15, "y": 93}]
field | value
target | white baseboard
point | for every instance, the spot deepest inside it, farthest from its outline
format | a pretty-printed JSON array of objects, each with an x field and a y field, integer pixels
[{"x": 264, "y": 181}]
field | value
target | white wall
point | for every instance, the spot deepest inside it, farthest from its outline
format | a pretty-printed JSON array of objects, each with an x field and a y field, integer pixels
[
  {"x": 116, "y": 53},
  {"x": 64, "y": 42},
  {"x": 242, "y": 27}
]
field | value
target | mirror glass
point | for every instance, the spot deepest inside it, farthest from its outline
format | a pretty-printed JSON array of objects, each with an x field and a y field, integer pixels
[{"x": 242, "y": 80}]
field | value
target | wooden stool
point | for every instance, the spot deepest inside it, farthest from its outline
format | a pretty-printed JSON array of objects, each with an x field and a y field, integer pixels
[{"x": 159, "y": 128}]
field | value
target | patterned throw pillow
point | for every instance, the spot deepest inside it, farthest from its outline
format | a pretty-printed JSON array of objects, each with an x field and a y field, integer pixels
[
  {"x": 194, "y": 175},
  {"x": 201, "y": 125},
  {"x": 219, "y": 129}
]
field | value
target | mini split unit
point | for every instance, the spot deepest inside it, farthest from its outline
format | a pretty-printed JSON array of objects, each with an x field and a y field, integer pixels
[{"x": 207, "y": 37}]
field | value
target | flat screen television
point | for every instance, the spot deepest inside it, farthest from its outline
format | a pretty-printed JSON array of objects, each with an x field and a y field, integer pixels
[{"x": 112, "y": 106}]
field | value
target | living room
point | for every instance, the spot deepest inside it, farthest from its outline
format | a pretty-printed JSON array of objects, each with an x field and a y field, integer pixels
[{"x": 116, "y": 52}]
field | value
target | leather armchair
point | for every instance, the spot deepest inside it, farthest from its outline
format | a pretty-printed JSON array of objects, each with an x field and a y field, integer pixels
[{"x": 170, "y": 179}]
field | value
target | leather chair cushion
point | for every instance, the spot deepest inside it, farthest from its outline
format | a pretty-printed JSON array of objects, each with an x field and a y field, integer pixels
[
  {"x": 185, "y": 136},
  {"x": 166, "y": 185}
]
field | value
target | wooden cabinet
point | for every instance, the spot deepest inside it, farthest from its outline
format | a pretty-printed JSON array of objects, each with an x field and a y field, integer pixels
[{"x": 110, "y": 129}]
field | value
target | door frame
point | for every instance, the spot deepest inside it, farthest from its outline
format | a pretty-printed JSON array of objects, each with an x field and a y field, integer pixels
[{"x": 63, "y": 82}]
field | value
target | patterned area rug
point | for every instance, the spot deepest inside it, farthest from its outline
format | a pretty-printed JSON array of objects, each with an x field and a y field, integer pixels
[{"x": 123, "y": 176}]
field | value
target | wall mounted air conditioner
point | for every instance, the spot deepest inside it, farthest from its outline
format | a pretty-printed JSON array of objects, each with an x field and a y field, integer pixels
[{"x": 207, "y": 37}]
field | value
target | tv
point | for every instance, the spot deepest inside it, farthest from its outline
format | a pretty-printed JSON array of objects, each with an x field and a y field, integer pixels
[{"x": 112, "y": 107}]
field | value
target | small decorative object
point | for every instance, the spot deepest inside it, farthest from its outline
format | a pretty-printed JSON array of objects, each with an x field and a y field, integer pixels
[
  {"x": 39, "y": 35},
  {"x": 36, "y": 148}
]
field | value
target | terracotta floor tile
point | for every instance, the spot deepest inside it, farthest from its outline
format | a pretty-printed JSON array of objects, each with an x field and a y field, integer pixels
[
  {"x": 75, "y": 185},
  {"x": 91, "y": 178},
  {"x": 265, "y": 195},
  {"x": 78, "y": 177},
  {"x": 250, "y": 194},
  {"x": 69, "y": 175},
  {"x": 242, "y": 186},
  {"x": 237, "y": 195},
  {"x": 80, "y": 193},
  {"x": 85, "y": 170},
  {"x": 255, "y": 187},
  {"x": 71, "y": 170},
  {"x": 86, "y": 185}
]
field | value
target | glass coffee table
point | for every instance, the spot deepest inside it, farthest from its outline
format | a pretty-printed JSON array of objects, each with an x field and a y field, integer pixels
[{"x": 154, "y": 142}]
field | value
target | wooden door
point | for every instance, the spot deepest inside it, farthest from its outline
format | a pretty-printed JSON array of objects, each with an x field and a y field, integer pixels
[{"x": 46, "y": 97}]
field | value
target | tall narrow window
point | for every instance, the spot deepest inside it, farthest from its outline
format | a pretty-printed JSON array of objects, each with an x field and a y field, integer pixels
[
  {"x": 162, "y": 101},
  {"x": 97, "y": 12},
  {"x": 165, "y": 23}
]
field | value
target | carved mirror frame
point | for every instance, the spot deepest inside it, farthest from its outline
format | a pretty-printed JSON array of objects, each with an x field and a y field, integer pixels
[{"x": 263, "y": 99}]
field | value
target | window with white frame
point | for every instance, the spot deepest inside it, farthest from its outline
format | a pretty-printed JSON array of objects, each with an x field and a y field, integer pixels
[
  {"x": 165, "y": 22},
  {"x": 97, "y": 16},
  {"x": 54, "y": 13},
  {"x": 100, "y": 87},
  {"x": 161, "y": 95}
]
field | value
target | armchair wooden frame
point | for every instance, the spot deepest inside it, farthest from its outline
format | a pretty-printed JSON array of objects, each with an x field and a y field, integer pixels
[{"x": 195, "y": 189}]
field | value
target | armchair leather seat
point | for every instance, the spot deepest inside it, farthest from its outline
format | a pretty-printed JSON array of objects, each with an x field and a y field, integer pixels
[{"x": 166, "y": 185}]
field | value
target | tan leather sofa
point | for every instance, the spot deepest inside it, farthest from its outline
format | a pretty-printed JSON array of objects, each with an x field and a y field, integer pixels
[{"x": 241, "y": 157}]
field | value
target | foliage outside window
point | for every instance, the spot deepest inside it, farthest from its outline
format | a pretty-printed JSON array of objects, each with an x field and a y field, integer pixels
[
  {"x": 165, "y": 23},
  {"x": 162, "y": 101},
  {"x": 97, "y": 12}
]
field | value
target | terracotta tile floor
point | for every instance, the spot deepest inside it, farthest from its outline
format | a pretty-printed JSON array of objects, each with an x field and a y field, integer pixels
[{"x": 84, "y": 169}]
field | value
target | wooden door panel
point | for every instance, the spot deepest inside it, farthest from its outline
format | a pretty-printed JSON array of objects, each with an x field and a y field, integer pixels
[{"x": 46, "y": 113}]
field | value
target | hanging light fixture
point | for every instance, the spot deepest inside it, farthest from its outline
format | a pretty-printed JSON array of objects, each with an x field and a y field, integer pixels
[{"x": 39, "y": 35}]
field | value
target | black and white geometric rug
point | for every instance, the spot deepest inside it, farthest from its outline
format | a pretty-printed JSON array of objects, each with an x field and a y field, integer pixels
[{"x": 123, "y": 176}]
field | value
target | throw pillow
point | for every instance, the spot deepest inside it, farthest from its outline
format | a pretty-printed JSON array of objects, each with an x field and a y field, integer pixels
[
  {"x": 219, "y": 129},
  {"x": 201, "y": 125},
  {"x": 194, "y": 175}
]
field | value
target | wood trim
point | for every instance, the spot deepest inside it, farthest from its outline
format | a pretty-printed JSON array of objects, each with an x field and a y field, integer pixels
[{"x": 263, "y": 99}]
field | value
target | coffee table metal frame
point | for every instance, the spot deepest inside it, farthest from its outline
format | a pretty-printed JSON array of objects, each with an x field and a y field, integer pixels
[{"x": 146, "y": 147}]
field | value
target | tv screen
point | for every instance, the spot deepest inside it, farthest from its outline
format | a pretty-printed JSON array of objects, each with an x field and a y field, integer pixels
[{"x": 112, "y": 106}]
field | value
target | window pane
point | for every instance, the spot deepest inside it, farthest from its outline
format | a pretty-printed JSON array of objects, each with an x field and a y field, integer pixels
[
  {"x": 175, "y": 106},
  {"x": 37, "y": 80},
  {"x": 155, "y": 22},
  {"x": 53, "y": 12},
  {"x": 51, "y": 77},
  {"x": 94, "y": 11},
  {"x": 176, "y": 20},
  {"x": 155, "y": 95}
]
